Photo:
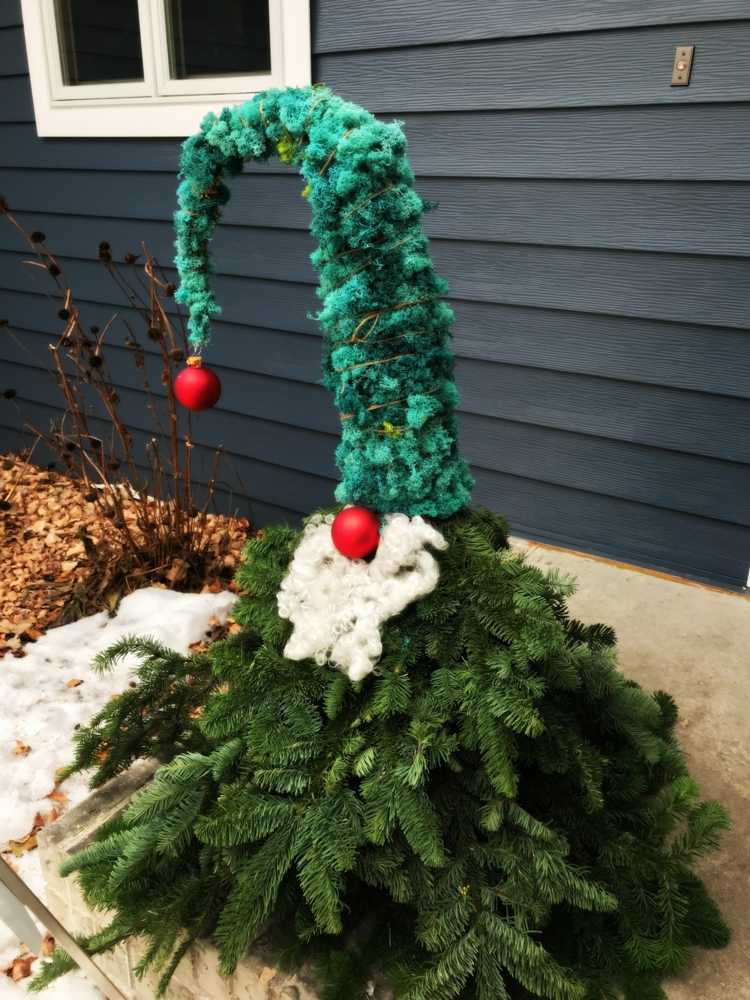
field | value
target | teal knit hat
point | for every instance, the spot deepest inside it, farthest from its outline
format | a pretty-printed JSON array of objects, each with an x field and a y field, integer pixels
[{"x": 387, "y": 356}]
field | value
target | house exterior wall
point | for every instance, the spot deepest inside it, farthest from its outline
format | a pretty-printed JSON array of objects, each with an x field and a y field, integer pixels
[{"x": 593, "y": 225}]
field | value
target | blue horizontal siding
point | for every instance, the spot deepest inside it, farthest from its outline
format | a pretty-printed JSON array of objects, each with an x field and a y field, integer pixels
[
  {"x": 599, "y": 273},
  {"x": 581, "y": 70},
  {"x": 693, "y": 217},
  {"x": 687, "y": 287},
  {"x": 380, "y": 24}
]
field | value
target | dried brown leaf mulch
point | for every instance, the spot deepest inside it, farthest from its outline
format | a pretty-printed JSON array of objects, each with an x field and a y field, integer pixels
[{"x": 61, "y": 559}]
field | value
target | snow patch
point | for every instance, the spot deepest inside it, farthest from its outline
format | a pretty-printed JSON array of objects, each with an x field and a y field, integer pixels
[
  {"x": 38, "y": 709},
  {"x": 338, "y": 604}
]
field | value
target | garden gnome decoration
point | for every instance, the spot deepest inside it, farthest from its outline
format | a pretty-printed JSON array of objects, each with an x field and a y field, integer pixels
[
  {"x": 388, "y": 363},
  {"x": 411, "y": 766}
]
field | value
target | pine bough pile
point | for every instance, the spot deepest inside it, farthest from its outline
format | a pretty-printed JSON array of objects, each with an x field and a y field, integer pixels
[{"x": 494, "y": 813}]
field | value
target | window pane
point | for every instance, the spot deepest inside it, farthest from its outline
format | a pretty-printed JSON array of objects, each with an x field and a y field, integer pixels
[
  {"x": 100, "y": 41},
  {"x": 218, "y": 37}
]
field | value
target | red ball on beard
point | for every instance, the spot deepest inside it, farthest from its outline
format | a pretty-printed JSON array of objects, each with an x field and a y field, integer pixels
[
  {"x": 197, "y": 388},
  {"x": 356, "y": 532}
]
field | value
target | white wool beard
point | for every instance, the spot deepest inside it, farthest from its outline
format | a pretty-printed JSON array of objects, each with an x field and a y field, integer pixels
[{"x": 337, "y": 604}]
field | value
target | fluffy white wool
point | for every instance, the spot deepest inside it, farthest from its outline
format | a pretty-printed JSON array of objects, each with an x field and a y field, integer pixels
[
  {"x": 337, "y": 605},
  {"x": 40, "y": 710}
]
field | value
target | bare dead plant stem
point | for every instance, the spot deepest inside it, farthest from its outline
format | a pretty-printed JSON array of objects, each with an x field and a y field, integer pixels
[{"x": 149, "y": 506}]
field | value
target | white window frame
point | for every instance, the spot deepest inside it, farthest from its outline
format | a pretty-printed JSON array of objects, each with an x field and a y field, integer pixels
[{"x": 158, "y": 105}]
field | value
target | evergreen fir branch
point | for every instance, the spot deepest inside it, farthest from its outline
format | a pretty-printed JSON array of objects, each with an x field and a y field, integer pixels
[
  {"x": 155, "y": 718},
  {"x": 322, "y": 887},
  {"x": 57, "y": 966},
  {"x": 243, "y": 815},
  {"x": 705, "y": 824},
  {"x": 138, "y": 845},
  {"x": 391, "y": 694},
  {"x": 177, "y": 826},
  {"x": 496, "y": 750},
  {"x": 144, "y": 647},
  {"x": 446, "y": 977},
  {"x": 169, "y": 789},
  {"x": 516, "y": 709},
  {"x": 656, "y": 954},
  {"x": 531, "y": 827},
  {"x": 448, "y": 921},
  {"x": 251, "y": 901},
  {"x": 171, "y": 967},
  {"x": 379, "y": 795},
  {"x": 365, "y": 762},
  {"x": 335, "y": 695},
  {"x": 668, "y": 711},
  {"x": 107, "y": 849},
  {"x": 224, "y": 757},
  {"x": 289, "y": 780},
  {"x": 528, "y": 962},
  {"x": 490, "y": 975},
  {"x": 420, "y": 825},
  {"x": 384, "y": 868},
  {"x": 61, "y": 962}
]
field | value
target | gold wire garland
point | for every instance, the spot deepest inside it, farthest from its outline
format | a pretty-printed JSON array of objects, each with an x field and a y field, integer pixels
[
  {"x": 379, "y": 361},
  {"x": 366, "y": 201},
  {"x": 391, "y": 402},
  {"x": 332, "y": 154}
]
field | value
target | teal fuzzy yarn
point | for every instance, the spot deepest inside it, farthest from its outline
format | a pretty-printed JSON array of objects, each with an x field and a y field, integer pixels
[{"x": 387, "y": 356}]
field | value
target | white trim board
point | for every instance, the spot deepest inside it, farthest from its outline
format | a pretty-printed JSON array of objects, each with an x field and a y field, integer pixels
[{"x": 156, "y": 107}]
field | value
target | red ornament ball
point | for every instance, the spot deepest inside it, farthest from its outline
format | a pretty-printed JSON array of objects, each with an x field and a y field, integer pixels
[
  {"x": 196, "y": 387},
  {"x": 355, "y": 532}
]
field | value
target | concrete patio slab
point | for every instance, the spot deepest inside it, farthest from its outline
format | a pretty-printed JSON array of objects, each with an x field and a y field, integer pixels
[{"x": 693, "y": 641}]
